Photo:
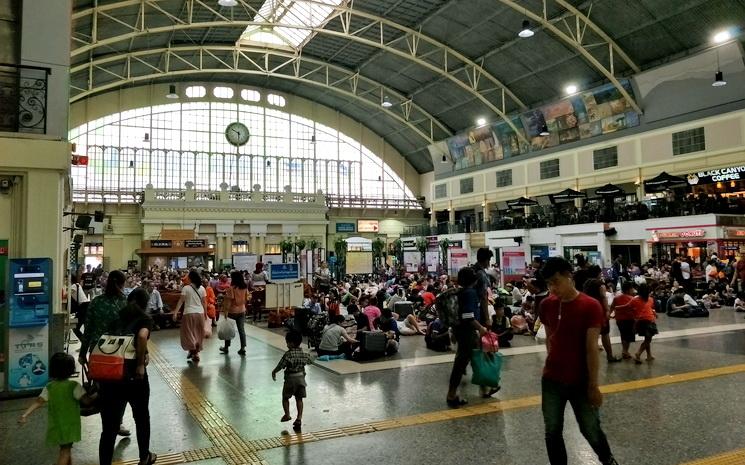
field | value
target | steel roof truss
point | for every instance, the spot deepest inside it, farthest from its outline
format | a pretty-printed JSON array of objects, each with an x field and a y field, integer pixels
[
  {"x": 436, "y": 57},
  {"x": 182, "y": 61}
]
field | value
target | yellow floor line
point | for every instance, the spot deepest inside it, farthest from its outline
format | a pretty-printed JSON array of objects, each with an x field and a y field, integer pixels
[
  {"x": 228, "y": 444},
  {"x": 735, "y": 457},
  {"x": 488, "y": 408}
]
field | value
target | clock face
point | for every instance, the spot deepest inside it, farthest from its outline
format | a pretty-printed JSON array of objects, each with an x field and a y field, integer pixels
[{"x": 237, "y": 134}]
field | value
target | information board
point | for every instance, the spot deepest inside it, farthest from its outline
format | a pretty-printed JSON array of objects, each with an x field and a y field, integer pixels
[
  {"x": 245, "y": 262},
  {"x": 345, "y": 227},
  {"x": 28, "y": 358},
  {"x": 284, "y": 271},
  {"x": 359, "y": 262}
]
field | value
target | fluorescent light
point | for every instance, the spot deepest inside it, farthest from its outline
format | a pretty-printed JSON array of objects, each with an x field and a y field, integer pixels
[
  {"x": 171, "y": 92},
  {"x": 719, "y": 80},
  {"x": 526, "y": 31},
  {"x": 386, "y": 103},
  {"x": 722, "y": 36},
  {"x": 481, "y": 121},
  {"x": 570, "y": 89},
  {"x": 229, "y": 3}
]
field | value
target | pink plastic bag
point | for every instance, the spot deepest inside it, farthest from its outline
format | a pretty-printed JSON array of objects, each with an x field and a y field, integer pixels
[{"x": 490, "y": 342}]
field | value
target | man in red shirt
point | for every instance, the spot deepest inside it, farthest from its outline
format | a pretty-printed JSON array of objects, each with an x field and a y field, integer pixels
[{"x": 573, "y": 321}]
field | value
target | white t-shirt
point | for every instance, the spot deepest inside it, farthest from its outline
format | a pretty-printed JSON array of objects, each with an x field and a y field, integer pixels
[
  {"x": 193, "y": 299},
  {"x": 709, "y": 269},
  {"x": 685, "y": 270},
  {"x": 331, "y": 337},
  {"x": 689, "y": 300},
  {"x": 78, "y": 294},
  {"x": 77, "y": 393}
]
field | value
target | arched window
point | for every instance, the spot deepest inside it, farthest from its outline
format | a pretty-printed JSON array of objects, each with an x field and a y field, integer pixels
[{"x": 169, "y": 145}]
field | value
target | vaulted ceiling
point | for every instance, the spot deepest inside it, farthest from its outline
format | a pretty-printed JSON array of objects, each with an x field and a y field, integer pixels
[{"x": 440, "y": 63}]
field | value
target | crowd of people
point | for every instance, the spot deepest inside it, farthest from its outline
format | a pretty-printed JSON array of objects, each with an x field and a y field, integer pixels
[{"x": 569, "y": 306}]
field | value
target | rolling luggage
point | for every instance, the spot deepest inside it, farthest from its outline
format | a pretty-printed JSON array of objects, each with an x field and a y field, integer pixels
[
  {"x": 403, "y": 309},
  {"x": 373, "y": 342}
]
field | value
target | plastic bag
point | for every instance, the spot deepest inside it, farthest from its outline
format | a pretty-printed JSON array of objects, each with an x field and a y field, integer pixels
[
  {"x": 487, "y": 368},
  {"x": 226, "y": 329},
  {"x": 207, "y": 328},
  {"x": 540, "y": 336},
  {"x": 490, "y": 342}
]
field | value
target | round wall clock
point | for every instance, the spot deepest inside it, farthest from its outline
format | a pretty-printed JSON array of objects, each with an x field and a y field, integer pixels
[{"x": 237, "y": 134}]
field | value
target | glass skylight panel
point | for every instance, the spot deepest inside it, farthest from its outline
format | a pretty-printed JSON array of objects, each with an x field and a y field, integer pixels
[{"x": 293, "y": 21}]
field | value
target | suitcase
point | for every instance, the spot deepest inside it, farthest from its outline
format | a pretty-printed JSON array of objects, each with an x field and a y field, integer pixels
[
  {"x": 373, "y": 341},
  {"x": 403, "y": 309}
]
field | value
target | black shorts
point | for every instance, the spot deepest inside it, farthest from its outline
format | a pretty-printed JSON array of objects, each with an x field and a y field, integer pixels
[
  {"x": 646, "y": 328},
  {"x": 626, "y": 328}
]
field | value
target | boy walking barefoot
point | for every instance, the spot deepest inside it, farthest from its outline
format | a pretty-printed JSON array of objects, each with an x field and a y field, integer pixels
[{"x": 293, "y": 362}]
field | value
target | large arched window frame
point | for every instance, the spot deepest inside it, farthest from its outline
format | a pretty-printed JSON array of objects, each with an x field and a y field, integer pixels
[{"x": 169, "y": 145}]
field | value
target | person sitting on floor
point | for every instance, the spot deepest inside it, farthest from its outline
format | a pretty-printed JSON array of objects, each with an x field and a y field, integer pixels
[
  {"x": 335, "y": 340},
  {"x": 501, "y": 325}
]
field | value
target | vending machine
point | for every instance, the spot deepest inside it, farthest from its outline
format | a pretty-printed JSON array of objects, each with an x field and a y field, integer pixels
[{"x": 29, "y": 303}]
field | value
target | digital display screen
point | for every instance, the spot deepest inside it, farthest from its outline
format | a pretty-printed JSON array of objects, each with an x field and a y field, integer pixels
[{"x": 31, "y": 284}]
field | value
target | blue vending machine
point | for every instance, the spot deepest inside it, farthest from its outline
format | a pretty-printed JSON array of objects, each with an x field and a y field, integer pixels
[{"x": 29, "y": 292}]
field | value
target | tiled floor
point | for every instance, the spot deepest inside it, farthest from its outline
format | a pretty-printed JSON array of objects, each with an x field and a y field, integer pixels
[{"x": 685, "y": 406}]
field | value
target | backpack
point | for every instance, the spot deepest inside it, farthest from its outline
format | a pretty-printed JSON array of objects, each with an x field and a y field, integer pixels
[{"x": 447, "y": 307}]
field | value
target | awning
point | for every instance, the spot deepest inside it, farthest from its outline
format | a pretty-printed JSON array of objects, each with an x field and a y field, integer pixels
[
  {"x": 566, "y": 195},
  {"x": 610, "y": 190},
  {"x": 521, "y": 202},
  {"x": 664, "y": 181}
]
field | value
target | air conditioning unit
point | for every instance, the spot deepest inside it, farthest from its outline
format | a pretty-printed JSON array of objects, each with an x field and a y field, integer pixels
[{"x": 108, "y": 227}]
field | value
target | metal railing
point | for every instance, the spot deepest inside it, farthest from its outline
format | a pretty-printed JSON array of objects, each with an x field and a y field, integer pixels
[
  {"x": 340, "y": 201},
  {"x": 23, "y": 98}
]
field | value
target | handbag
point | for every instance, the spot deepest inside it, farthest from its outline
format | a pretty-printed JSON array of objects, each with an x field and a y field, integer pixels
[
  {"x": 89, "y": 404},
  {"x": 108, "y": 359},
  {"x": 487, "y": 368}
]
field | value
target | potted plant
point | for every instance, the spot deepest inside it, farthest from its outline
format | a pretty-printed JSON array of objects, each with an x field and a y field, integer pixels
[
  {"x": 340, "y": 247},
  {"x": 444, "y": 246},
  {"x": 285, "y": 246},
  {"x": 378, "y": 250}
]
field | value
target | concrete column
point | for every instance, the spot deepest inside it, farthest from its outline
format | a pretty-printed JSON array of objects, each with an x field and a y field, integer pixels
[
  {"x": 433, "y": 218},
  {"x": 451, "y": 215},
  {"x": 253, "y": 244},
  {"x": 485, "y": 209}
]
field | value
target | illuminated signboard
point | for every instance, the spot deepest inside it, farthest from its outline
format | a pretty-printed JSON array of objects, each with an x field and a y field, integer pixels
[
  {"x": 657, "y": 235},
  {"x": 735, "y": 232},
  {"x": 732, "y": 173},
  {"x": 160, "y": 244},
  {"x": 369, "y": 226}
]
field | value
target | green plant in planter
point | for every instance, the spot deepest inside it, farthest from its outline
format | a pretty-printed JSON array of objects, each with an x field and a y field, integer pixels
[
  {"x": 285, "y": 246},
  {"x": 444, "y": 246},
  {"x": 313, "y": 244},
  {"x": 398, "y": 250},
  {"x": 421, "y": 246},
  {"x": 340, "y": 247},
  {"x": 378, "y": 249}
]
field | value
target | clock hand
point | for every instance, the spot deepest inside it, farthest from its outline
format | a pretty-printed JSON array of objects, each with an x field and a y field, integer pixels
[{"x": 236, "y": 131}]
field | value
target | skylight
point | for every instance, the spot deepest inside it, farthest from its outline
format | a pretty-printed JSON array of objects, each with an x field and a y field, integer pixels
[{"x": 286, "y": 16}]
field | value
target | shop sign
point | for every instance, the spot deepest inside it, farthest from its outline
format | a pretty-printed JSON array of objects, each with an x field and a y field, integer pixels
[
  {"x": 732, "y": 173},
  {"x": 160, "y": 244},
  {"x": 455, "y": 244},
  {"x": 731, "y": 233},
  {"x": 194, "y": 243},
  {"x": 368, "y": 226},
  {"x": 432, "y": 244},
  {"x": 345, "y": 227},
  {"x": 408, "y": 243},
  {"x": 657, "y": 235}
]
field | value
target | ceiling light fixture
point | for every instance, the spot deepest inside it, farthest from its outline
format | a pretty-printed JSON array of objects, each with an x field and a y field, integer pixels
[
  {"x": 544, "y": 131},
  {"x": 444, "y": 159},
  {"x": 386, "y": 103},
  {"x": 229, "y": 3},
  {"x": 719, "y": 80},
  {"x": 172, "y": 92},
  {"x": 146, "y": 138},
  {"x": 722, "y": 36},
  {"x": 526, "y": 31},
  {"x": 570, "y": 89},
  {"x": 719, "y": 185},
  {"x": 732, "y": 184},
  {"x": 313, "y": 139},
  {"x": 481, "y": 121}
]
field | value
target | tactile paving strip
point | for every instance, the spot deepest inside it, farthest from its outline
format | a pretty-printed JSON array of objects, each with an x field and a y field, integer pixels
[
  {"x": 227, "y": 443},
  {"x": 736, "y": 457}
]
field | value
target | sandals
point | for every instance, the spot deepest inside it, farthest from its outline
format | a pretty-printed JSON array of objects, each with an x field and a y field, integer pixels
[
  {"x": 224, "y": 350},
  {"x": 297, "y": 426},
  {"x": 614, "y": 360},
  {"x": 242, "y": 352},
  {"x": 491, "y": 392},
  {"x": 150, "y": 459},
  {"x": 285, "y": 418},
  {"x": 456, "y": 402}
]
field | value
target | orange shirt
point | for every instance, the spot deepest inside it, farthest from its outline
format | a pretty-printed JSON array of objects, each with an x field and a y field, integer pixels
[
  {"x": 643, "y": 311},
  {"x": 624, "y": 311}
]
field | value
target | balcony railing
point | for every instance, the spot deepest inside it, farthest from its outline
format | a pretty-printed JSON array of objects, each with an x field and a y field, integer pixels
[
  {"x": 339, "y": 201},
  {"x": 23, "y": 98}
]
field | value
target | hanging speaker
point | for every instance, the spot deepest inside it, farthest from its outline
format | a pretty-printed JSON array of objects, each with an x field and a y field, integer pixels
[
  {"x": 98, "y": 216},
  {"x": 83, "y": 221},
  {"x": 610, "y": 232}
]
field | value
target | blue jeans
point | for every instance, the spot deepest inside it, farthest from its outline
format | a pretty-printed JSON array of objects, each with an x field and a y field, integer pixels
[{"x": 555, "y": 397}]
